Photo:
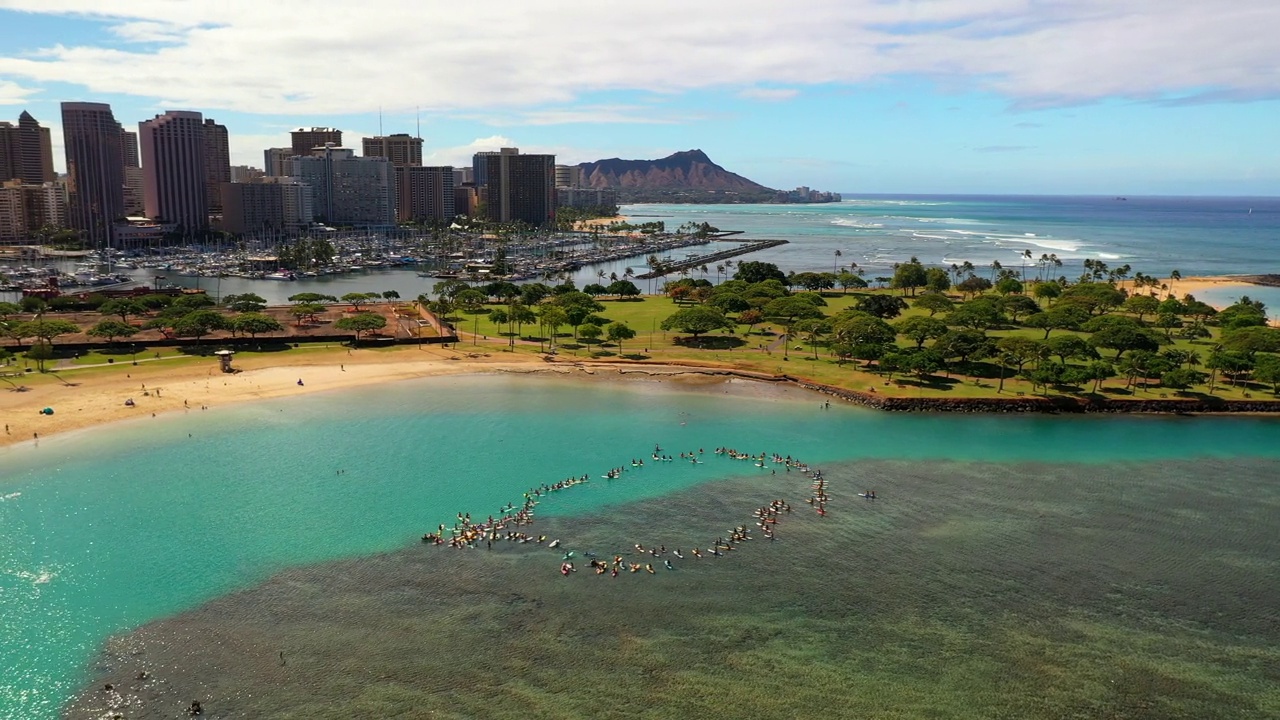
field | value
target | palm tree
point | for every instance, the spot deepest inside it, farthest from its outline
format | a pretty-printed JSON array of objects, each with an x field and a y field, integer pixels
[
  {"x": 835, "y": 264},
  {"x": 995, "y": 266},
  {"x": 1175, "y": 275},
  {"x": 1026, "y": 255}
]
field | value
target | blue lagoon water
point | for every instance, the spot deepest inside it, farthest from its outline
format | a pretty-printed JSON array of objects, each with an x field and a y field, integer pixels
[{"x": 106, "y": 530}]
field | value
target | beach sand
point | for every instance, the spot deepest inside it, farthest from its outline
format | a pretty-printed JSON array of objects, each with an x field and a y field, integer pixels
[{"x": 88, "y": 399}]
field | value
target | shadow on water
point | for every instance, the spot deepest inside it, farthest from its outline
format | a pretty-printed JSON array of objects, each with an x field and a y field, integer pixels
[{"x": 966, "y": 591}]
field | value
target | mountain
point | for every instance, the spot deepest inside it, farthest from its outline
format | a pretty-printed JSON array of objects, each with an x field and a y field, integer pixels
[{"x": 688, "y": 176}]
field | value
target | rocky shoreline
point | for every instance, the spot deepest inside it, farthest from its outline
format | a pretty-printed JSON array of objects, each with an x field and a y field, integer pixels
[{"x": 1060, "y": 404}]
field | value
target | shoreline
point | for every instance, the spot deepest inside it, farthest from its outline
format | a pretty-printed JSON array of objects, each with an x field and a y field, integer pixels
[{"x": 97, "y": 400}]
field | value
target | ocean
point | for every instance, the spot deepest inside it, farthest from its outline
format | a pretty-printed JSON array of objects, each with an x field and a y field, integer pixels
[
  {"x": 1154, "y": 235},
  {"x": 265, "y": 559}
]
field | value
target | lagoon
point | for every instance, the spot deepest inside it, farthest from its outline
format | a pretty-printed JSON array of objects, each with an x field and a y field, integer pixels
[{"x": 104, "y": 531}]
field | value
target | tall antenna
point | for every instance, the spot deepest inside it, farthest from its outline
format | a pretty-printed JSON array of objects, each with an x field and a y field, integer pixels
[
  {"x": 379, "y": 121},
  {"x": 418, "y": 134}
]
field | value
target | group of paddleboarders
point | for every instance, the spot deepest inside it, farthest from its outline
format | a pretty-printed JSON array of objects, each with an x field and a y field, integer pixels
[{"x": 467, "y": 533}]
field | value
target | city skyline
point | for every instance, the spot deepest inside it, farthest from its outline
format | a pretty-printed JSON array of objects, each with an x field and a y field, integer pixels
[{"x": 978, "y": 96}]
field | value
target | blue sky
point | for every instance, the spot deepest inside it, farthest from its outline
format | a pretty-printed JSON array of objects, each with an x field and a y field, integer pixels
[{"x": 861, "y": 96}]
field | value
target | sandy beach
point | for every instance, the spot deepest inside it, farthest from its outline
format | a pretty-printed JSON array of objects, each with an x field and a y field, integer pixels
[
  {"x": 97, "y": 397},
  {"x": 88, "y": 399},
  {"x": 1198, "y": 284}
]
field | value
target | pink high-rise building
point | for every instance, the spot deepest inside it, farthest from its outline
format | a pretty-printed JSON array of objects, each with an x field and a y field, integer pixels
[{"x": 173, "y": 170}]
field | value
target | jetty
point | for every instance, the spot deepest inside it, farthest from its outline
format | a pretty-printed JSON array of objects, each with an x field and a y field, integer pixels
[{"x": 667, "y": 268}]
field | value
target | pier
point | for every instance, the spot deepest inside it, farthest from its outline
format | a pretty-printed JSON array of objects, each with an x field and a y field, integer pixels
[{"x": 700, "y": 260}]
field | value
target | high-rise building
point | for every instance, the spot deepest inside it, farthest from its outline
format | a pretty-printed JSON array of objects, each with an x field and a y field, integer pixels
[
  {"x": 307, "y": 139},
  {"x": 269, "y": 206},
  {"x": 401, "y": 149},
  {"x": 13, "y": 219},
  {"x": 519, "y": 188},
  {"x": 173, "y": 170},
  {"x": 217, "y": 164},
  {"x": 245, "y": 173},
  {"x": 348, "y": 190},
  {"x": 569, "y": 176},
  {"x": 129, "y": 148},
  {"x": 464, "y": 176},
  {"x": 275, "y": 161},
  {"x": 424, "y": 194},
  {"x": 26, "y": 151},
  {"x": 95, "y": 169},
  {"x": 25, "y": 208}
]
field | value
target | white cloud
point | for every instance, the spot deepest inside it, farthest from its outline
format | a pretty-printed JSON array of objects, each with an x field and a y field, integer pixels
[
  {"x": 769, "y": 94},
  {"x": 460, "y": 156},
  {"x": 12, "y": 93},
  {"x": 329, "y": 57}
]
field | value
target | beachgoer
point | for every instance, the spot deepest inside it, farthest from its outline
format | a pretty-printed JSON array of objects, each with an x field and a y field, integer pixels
[{"x": 299, "y": 381}]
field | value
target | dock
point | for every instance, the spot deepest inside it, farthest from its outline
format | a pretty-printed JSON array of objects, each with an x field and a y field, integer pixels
[{"x": 700, "y": 260}]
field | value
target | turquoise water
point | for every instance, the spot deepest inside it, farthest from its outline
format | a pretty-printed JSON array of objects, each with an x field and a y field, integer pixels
[{"x": 105, "y": 530}]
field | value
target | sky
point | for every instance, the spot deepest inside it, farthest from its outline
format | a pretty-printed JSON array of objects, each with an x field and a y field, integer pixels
[{"x": 1125, "y": 97}]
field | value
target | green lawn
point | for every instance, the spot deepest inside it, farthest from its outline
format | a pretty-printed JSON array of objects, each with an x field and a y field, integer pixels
[{"x": 742, "y": 351}]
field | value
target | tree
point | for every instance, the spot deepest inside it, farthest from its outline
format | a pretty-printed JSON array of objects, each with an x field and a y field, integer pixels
[
  {"x": 577, "y": 306},
  {"x": 1121, "y": 334},
  {"x": 617, "y": 332},
  {"x": 964, "y": 344},
  {"x": 112, "y": 329},
  {"x": 552, "y": 317},
  {"x": 1244, "y": 313},
  {"x": 246, "y": 303},
  {"x": 881, "y": 306},
  {"x": 1251, "y": 340},
  {"x": 934, "y": 302},
  {"x": 977, "y": 314},
  {"x": 1266, "y": 369},
  {"x": 122, "y": 308},
  {"x": 1061, "y": 317},
  {"x": 1017, "y": 305},
  {"x": 909, "y": 276},
  {"x": 390, "y": 295},
  {"x": 787, "y": 310},
  {"x": 813, "y": 329},
  {"x": 595, "y": 289},
  {"x": 750, "y": 318},
  {"x": 1228, "y": 363},
  {"x": 590, "y": 332},
  {"x": 1071, "y": 347},
  {"x": 1096, "y": 298},
  {"x": 254, "y": 323},
  {"x": 937, "y": 280},
  {"x": 1020, "y": 350},
  {"x": 860, "y": 335},
  {"x": 813, "y": 281},
  {"x": 623, "y": 289},
  {"x": 847, "y": 280},
  {"x": 355, "y": 299},
  {"x": 449, "y": 288},
  {"x": 920, "y": 329},
  {"x": 1009, "y": 286},
  {"x": 1141, "y": 305},
  {"x": 310, "y": 298},
  {"x": 973, "y": 285},
  {"x": 470, "y": 300},
  {"x": 1100, "y": 370},
  {"x": 192, "y": 301},
  {"x": 1181, "y": 379},
  {"x": 45, "y": 330},
  {"x": 729, "y": 302},
  {"x": 360, "y": 323},
  {"x": 534, "y": 293},
  {"x": 754, "y": 272},
  {"x": 1047, "y": 291},
  {"x": 306, "y": 311},
  {"x": 696, "y": 320},
  {"x": 198, "y": 323},
  {"x": 1168, "y": 322}
]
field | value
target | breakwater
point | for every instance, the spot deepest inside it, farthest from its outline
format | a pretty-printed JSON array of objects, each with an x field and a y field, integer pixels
[{"x": 697, "y": 261}]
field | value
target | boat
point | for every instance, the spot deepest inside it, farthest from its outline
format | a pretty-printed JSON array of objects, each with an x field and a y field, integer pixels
[{"x": 279, "y": 275}]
